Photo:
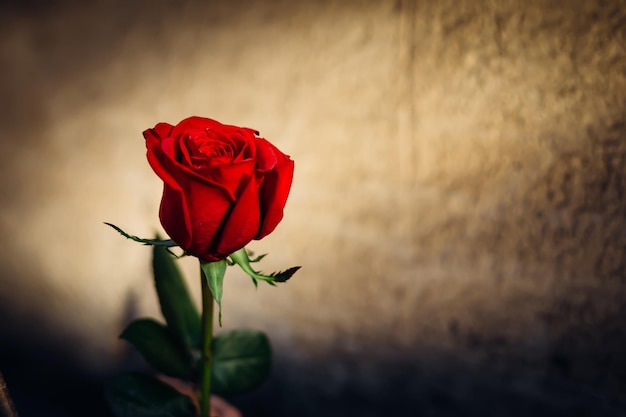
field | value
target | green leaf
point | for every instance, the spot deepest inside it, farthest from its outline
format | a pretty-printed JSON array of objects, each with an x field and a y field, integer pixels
[
  {"x": 242, "y": 259},
  {"x": 154, "y": 242},
  {"x": 159, "y": 347},
  {"x": 139, "y": 395},
  {"x": 214, "y": 274},
  {"x": 178, "y": 309},
  {"x": 242, "y": 360}
]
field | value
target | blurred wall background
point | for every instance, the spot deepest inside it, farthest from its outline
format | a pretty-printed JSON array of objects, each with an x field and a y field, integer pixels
[{"x": 458, "y": 205}]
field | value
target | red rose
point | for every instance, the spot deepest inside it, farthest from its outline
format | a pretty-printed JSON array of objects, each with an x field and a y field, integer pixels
[{"x": 223, "y": 185}]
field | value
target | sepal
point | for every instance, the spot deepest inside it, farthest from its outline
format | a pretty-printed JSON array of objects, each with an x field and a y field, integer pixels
[
  {"x": 214, "y": 274},
  {"x": 153, "y": 242},
  {"x": 242, "y": 259}
]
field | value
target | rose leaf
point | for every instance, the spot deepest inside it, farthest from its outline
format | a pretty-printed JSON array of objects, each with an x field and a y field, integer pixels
[
  {"x": 159, "y": 348},
  {"x": 139, "y": 395},
  {"x": 177, "y": 307},
  {"x": 241, "y": 361}
]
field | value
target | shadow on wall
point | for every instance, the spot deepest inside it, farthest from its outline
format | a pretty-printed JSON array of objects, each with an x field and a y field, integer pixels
[
  {"x": 561, "y": 325},
  {"x": 585, "y": 210}
]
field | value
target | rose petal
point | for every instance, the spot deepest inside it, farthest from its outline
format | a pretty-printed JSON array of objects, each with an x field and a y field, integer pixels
[
  {"x": 174, "y": 216},
  {"x": 165, "y": 154},
  {"x": 207, "y": 206},
  {"x": 161, "y": 130},
  {"x": 228, "y": 176},
  {"x": 242, "y": 223},
  {"x": 194, "y": 123},
  {"x": 174, "y": 191},
  {"x": 273, "y": 194},
  {"x": 266, "y": 157}
]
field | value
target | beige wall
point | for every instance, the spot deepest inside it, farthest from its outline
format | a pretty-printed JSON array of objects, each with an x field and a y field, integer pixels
[{"x": 458, "y": 205}]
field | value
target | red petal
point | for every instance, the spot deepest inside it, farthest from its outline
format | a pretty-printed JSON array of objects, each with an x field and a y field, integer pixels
[
  {"x": 161, "y": 130},
  {"x": 194, "y": 123},
  {"x": 207, "y": 207},
  {"x": 243, "y": 222},
  {"x": 174, "y": 216},
  {"x": 266, "y": 156},
  {"x": 181, "y": 226},
  {"x": 273, "y": 194}
]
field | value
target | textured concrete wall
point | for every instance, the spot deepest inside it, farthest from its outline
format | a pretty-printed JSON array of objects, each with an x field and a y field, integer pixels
[{"x": 458, "y": 205}]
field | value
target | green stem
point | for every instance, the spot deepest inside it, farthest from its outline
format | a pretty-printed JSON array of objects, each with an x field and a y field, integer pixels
[{"x": 207, "y": 335}]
